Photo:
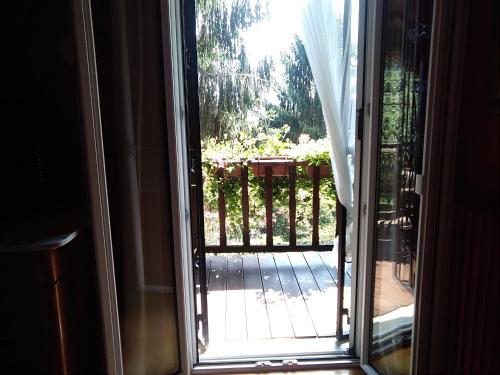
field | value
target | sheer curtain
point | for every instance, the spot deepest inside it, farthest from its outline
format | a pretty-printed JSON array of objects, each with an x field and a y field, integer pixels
[{"x": 329, "y": 34}]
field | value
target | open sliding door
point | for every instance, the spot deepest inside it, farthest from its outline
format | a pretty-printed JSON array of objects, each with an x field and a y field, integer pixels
[
  {"x": 400, "y": 47},
  {"x": 195, "y": 168}
]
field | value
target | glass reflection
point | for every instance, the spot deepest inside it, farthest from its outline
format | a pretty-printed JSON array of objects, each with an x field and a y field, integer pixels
[{"x": 406, "y": 40}]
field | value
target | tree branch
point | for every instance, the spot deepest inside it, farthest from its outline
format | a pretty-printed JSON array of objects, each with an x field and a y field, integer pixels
[{"x": 243, "y": 75}]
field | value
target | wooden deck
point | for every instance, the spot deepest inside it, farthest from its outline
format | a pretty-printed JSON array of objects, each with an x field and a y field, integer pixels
[{"x": 272, "y": 296}]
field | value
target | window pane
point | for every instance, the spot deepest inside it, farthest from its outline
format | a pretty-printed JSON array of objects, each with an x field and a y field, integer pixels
[
  {"x": 406, "y": 39},
  {"x": 131, "y": 87}
]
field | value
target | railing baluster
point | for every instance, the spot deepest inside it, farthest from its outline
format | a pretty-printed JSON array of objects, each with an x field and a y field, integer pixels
[
  {"x": 245, "y": 205},
  {"x": 292, "y": 205},
  {"x": 271, "y": 169},
  {"x": 269, "y": 206},
  {"x": 315, "y": 208},
  {"x": 222, "y": 208}
]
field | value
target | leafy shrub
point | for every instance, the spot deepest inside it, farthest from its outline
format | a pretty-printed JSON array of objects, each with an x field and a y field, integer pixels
[{"x": 235, "y": 152}]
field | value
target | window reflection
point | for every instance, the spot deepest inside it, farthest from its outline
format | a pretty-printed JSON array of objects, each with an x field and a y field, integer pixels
[{"x": 404, "y": 78}]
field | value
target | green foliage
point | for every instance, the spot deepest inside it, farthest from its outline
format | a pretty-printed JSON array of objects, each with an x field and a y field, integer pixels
[
  {"x": 232, "y": 94},
  {"x": 397, "y": 90},
  {"x": 238, "y": 123},
  {"x": 237, "y": 152},
  {"x": 229, "y": 89},
  {"x": 316, "y": 152},
  {"x": 398, "y": 98},
  {"x": 392, "y": 101},
  {"x": 300, "y": 106}
]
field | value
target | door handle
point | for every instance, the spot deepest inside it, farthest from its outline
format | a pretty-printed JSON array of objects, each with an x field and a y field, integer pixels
[{"x": 418, "y": 184}]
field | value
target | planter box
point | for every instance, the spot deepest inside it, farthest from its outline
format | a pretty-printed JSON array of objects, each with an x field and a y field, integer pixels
[
  {"x": 225, "y": 166},
  {"x": 324, "y": 171},
  {"x": 235, "y": 171},
  {"x": 278, "y": 164}
]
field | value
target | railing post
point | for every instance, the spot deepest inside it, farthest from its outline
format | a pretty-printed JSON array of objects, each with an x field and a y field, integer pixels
[
  {"x": 341, "y": 232},
  {"x": 315, "y": 207},
  {"x": 269, "y": 207},
  {"x": 222, "y": 208},
  {"x": 292, "y": 205},
  {"x": 245, "y": 205}
]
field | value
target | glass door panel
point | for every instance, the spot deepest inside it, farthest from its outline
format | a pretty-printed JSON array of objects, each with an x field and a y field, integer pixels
[{"x": 405, "y": 55}]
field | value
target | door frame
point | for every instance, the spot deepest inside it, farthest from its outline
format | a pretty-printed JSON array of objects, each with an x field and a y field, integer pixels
[
  {"x": 175, "y": 87},
  {"x": 96, "y": 175},
  {"x": 373, "y": 11},
  {"x": 173, "y": 60}
]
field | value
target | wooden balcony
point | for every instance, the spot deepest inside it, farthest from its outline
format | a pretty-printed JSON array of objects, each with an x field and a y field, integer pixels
[
  {"x": 268, "y": 168},
  {"x": 262, "y": 299}
]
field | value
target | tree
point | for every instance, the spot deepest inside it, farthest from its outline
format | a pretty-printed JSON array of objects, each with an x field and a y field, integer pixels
[
  {"x": 229, "y": 88},
  {"x": 299, "y": 106}
]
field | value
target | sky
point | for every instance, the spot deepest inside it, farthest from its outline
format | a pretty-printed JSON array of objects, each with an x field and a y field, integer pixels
[
  {"x": 272, "y": 37},
  {"x": 275, "y": 34}
]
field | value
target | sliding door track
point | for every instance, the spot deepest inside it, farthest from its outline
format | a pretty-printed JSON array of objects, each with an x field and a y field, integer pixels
[{"x": 278, "y": 363}]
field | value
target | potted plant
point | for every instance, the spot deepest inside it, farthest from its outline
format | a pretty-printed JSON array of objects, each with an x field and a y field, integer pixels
[
  {"x": 324, "y": 170},
  {"x": 279, "y": 165},
  {"x": 229, "y": 168}
]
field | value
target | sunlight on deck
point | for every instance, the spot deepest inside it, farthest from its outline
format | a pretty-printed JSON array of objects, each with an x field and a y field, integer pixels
[{"x": 273, "y": 303}]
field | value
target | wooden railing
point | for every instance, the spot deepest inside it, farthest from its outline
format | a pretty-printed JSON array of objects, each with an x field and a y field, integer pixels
[
  {"x": 397, "y": 221},
  {"x": 268, "y": 169}
]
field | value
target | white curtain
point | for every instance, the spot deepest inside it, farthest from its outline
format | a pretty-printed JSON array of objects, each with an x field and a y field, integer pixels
[
  {"x": 331, "y": 50},
  {"x": 329, "y": 34}
]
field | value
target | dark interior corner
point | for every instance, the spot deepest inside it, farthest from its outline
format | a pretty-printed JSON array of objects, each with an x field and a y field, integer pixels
[{"x": 47, "y": 266}]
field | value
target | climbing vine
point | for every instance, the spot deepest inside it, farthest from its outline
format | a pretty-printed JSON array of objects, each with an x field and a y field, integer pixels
[{"x": 233, "y": 153}]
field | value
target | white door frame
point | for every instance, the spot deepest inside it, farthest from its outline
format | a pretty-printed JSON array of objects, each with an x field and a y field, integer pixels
[
  {"x": 171, "y": 18},
  {"x": 96, "y": 176}
]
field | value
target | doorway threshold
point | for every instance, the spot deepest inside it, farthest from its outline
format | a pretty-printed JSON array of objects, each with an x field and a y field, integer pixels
[
  {"x": 281, "y": 365},
  {"x": 274, "y": 348}
]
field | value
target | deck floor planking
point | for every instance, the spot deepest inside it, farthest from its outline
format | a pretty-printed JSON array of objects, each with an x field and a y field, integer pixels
[
  {"x": 297, "y": 308},
  {"x": 272, "y": 296}
]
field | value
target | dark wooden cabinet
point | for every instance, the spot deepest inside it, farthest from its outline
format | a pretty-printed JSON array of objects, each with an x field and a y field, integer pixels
[
  {"x": 34, "y": 297},
  {"x": 47, "y": 314}
]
